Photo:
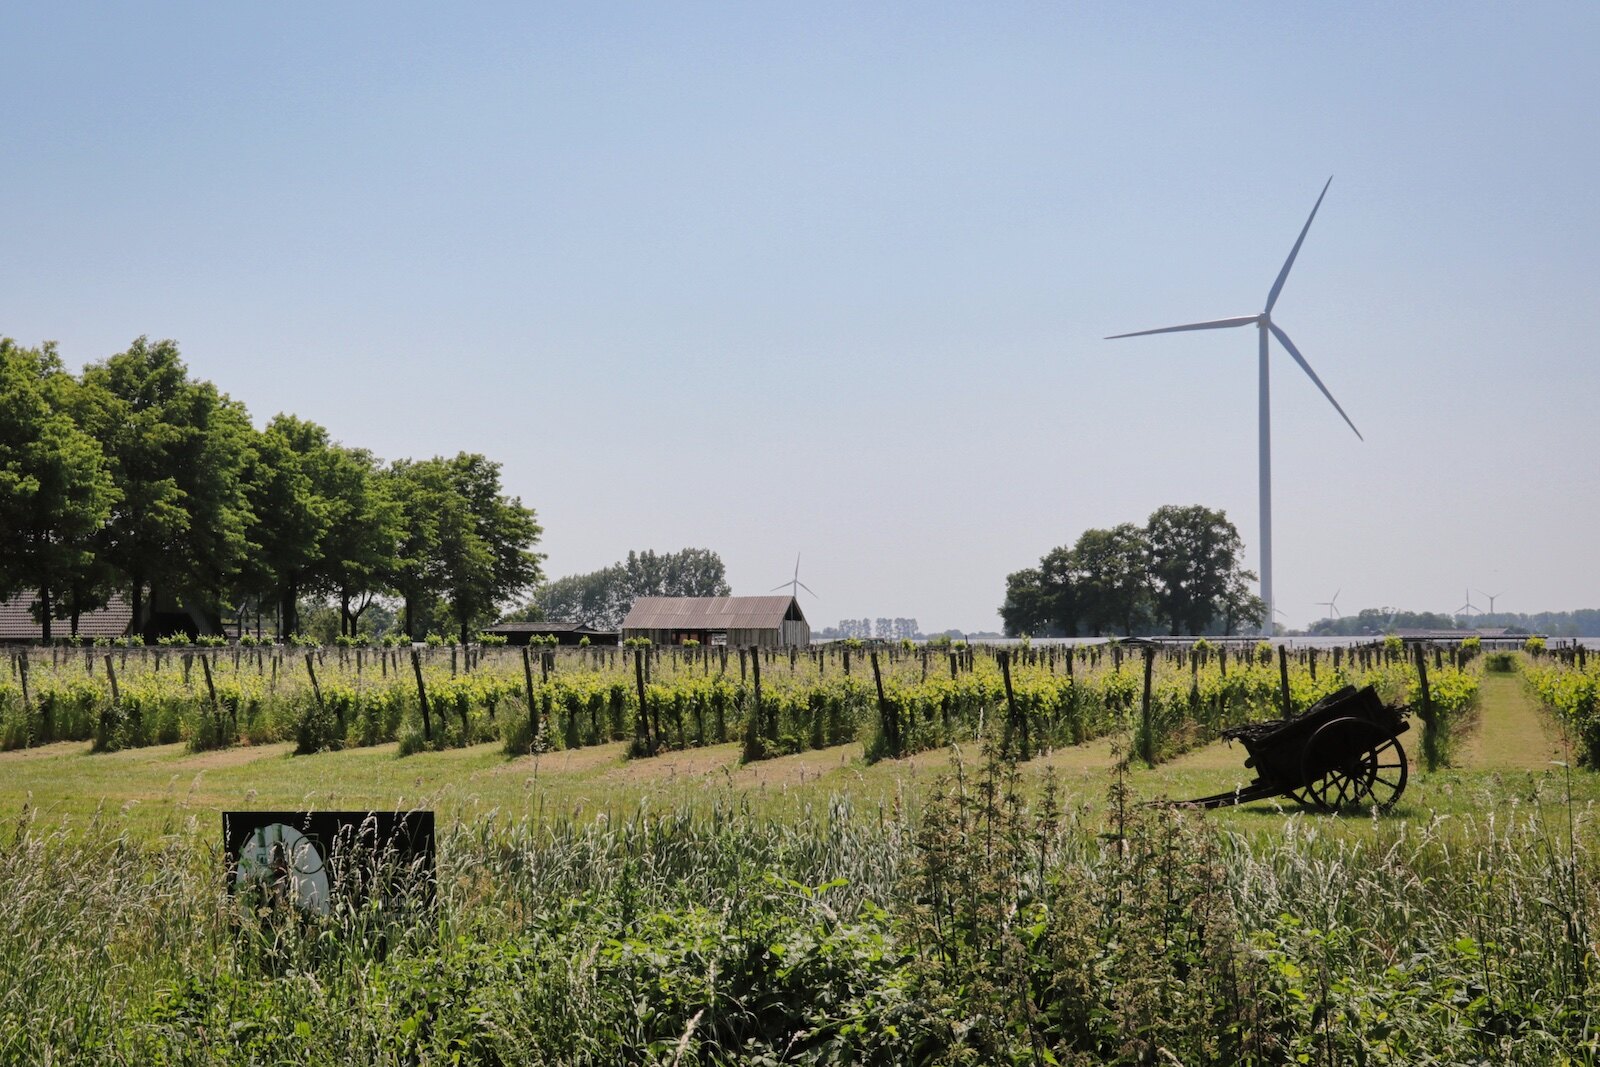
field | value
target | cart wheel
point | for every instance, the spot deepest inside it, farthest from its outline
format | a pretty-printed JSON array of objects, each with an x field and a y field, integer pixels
[{"x": 1368, "y": 767}]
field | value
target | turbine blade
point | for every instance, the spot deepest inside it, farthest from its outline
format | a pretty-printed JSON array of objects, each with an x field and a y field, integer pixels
[
  {"x": 1214, "y": 324},
  {"x": 775, "y": 588},
  {"x": 1283, "y": 275},
  {"x": 807, "y": 588},
  {"x": 1283, "y": 338}
]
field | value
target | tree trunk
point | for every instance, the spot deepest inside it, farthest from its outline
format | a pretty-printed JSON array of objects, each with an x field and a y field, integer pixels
[{"x": 45, "y": 612}]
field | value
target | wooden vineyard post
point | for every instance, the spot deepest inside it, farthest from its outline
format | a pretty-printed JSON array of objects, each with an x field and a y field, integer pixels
[
  {"x": 22, "y": 669},
  {"x": 847, "y": 662},
  {"x": 211, "y": 694},
  {"x": 1313, "y": 661},
  {"x": 1283, "y": 681},
  {"x": 527, "y": 687},
  {"x": 1014, "y": 720},
  {"x": 1430, "y": 740},
  {"x": 755, "y": 667},
  {"x": 544, "y": 667},
  {"x": 1147, "y": 741},
  {"x": 888, "y": 719},
  {"x": 953, "y": 666},
  {"x": 1222, "y": 660},
  {"x": 422, "y": 697},
  {"x": 742, "y": 670},
  {"x": 642, "y": 723}
]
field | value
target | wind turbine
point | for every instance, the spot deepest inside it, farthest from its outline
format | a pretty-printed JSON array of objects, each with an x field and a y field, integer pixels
[
  {"x": 794, "y": 585},
  {"x": 1332, "y": 606},
  {"x": 1265, "y": 326},
  {"x": 1492, "y": 598},
  {"x": 1469, "y": 607}
]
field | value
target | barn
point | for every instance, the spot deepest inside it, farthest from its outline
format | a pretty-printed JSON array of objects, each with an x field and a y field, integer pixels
[
  {"x": 17, "y": 623},
  {"x": 738, "y": 621}
]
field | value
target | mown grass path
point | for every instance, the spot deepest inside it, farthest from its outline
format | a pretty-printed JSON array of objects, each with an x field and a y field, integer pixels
[{"x": 1513, "y": 732}]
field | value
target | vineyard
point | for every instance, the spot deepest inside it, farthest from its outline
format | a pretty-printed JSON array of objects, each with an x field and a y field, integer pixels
[
  {"x": 1568, "y": 682},
  {"x": 896, "y": 701}
]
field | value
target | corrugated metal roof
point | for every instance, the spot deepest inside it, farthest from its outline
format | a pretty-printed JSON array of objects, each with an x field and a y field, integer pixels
[
  {"x": 16, "y": 620},
  {"x": 710, "y": 612}
]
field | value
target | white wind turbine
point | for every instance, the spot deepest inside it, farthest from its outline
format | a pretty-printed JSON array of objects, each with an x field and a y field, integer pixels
[
  {"x": 1264, "y": 326},
  {"x": 794, "y": 585},
  {"x": 1332, "y": 606}
]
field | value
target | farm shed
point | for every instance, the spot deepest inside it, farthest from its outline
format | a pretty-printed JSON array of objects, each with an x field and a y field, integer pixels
[
  {"x": 768, "y": 621},
  {"x": 16, "y": 620},
  {"x": 565, "y": 633}
]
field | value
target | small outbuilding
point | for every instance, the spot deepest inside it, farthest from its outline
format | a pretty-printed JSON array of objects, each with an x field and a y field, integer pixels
[
  {"x": 737, "y": 621},
  {"x": 565, "y": 633},
  {"x": 17, "y": 622}
]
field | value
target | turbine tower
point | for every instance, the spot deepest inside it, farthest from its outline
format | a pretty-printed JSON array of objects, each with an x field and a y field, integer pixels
[
  {"x": 1265, "y": 326},
  {"x": 794, "y": 585}
]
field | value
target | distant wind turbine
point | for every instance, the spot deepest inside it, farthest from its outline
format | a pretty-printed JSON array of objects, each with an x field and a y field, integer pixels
[
  {"x": 1264, "y": 326},
  {"x": 1469, "y": 607},
  {"x": 794, "y": 585},
  {"x": 1492, "y": 598},
  {"x": 1332, "y": 606}
]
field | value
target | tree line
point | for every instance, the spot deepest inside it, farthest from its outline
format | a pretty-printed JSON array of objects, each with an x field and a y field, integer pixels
[
  {"x": 1179, "y": 572},
  {"x": 603, "y": 598},
  {"x": 1585, "y": 622},
  {"x": 133, "y": 478}
]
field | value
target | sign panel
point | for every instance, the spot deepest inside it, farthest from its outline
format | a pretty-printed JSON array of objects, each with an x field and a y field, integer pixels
[{"x": 313, "y": 859}]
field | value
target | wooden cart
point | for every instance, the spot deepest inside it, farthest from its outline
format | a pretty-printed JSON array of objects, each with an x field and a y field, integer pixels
[{"x": 1342, "y": 755}]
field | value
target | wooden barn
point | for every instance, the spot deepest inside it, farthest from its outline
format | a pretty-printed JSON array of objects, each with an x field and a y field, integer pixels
[
  {"x": 736, "y": 621},
  {"x": 17, "y": 622}
]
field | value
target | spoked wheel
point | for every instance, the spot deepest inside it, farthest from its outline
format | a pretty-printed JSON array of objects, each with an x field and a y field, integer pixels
[{"x": 1352, "y": 765}]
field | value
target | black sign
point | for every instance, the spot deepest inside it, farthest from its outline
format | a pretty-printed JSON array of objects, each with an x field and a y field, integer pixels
[{"x": 315, "y": 859}]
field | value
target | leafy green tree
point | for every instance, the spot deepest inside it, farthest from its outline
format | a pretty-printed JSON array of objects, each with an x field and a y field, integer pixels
[
  {"x": 290, "y": 516},
  {"x": 1238, "y": 604},
  {"x": 1026, "y": 609},
  {"x": 1111, "y": 574},
  {"x": 461, "y": 540},
  {"x": 177, "y": 449},
  {"x": 55, "y": 488},
  {"x": 359, "y": 548},
  {"x": 1194, "y": 552}
]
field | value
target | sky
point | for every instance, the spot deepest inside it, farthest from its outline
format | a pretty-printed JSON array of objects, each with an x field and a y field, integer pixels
[{"x": 833, "y": 279}]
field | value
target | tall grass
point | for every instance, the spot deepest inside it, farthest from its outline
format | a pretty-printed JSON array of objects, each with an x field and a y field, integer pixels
[{"x": 993, "y": 925}]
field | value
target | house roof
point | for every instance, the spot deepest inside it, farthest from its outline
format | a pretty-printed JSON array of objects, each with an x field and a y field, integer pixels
[
  {"x": 712, "y": 613},
  {"x": 555, "y": 626},
  {"x": 16, "y": 620}
]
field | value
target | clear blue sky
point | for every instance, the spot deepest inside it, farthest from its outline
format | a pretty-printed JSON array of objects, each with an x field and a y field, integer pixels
[{"x": 770, "y": 278}]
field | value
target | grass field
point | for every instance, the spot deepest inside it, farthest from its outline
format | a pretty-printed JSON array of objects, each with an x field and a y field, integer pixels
[
  {"x": 813, "y": 908},
  {"x": 1513, "y": 747}
]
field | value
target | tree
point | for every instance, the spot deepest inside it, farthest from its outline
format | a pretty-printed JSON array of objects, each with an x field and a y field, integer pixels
[
  {"x": 176, "y": 450},
  {"x": 1238, "y": 604},
  {"x": 1194, "y": 553},
  {"x": 462, "y": 542},
  {"x": 358, "y": 550},
  {"x": 289, "y": 515},
  {"x": 55, "y": 488},
  {"x": 1111, "y": 573},
  {"x": 1026, "y": 608}
]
